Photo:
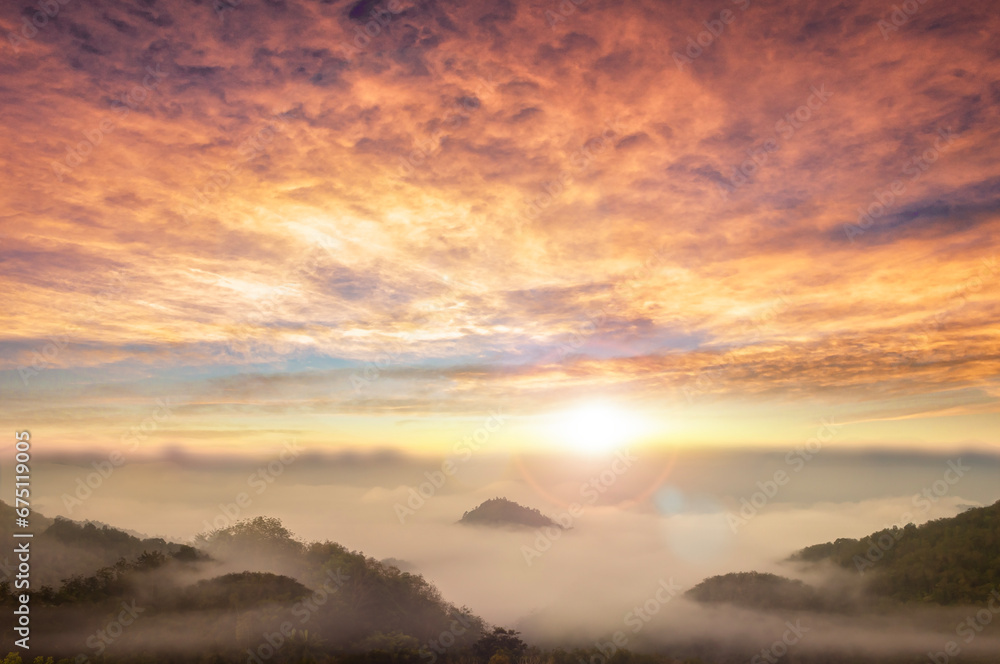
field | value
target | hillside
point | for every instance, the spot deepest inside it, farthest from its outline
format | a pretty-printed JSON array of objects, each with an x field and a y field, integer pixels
[
  {"x": 318, "y": 587},
  {"x": 67, "y": 548},
  {"x": 756, "y": 590},
  {"x": 946, "y": 561},
  {"x": 503, "y": 512},
  {"x": 38, "y": 521}
]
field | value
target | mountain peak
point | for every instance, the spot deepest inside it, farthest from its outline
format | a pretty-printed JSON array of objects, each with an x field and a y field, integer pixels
[{"x": 504, "y": 512}]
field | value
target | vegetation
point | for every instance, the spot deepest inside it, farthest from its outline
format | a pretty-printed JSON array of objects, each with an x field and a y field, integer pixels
[
  {"x": 243, "y": 590},
  {"x": 945, "y": 561},
  {"x": 306, "y": 654},
  {"x": 353, "y": 601},
  {"x": 260, "y": 535},
  {"x": 500, "y": 643},
  {"x": 757, "y": 590},
  {"x": 503, "y": 512},
  {"x": 65, "y": 548},
  {"x": 320, "y": 603}
]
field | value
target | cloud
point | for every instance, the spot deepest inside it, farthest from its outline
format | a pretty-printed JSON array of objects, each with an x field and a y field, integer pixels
[{"x": 315, "y": 181}]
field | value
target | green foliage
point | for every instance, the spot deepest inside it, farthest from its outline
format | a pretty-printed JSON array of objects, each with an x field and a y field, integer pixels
[
  {"x": 500, "y": 511},
  {"x": 945, "y": 561},
  {"x": 341, "y": 595},
  {"x": 107, "y": 582},
  {"x": 39, "y": 522},
  {"x": 105, "y": 538},
  {"x": 15, "y": 658},
  {"x": 393, "y": 648},
  {"x": 262, "y": 534},
  {"x": 66, "y": 548},
  {"x": 757, "y": 590},
  {"x": 381, "y": 598},
  {"x": 394, "y": 642},
  {"x": 500, "y": 641},
  {"x": 621, "y": 656},
  {"x": 244, "y": 590},
  {"x": 87, "y": 534}
]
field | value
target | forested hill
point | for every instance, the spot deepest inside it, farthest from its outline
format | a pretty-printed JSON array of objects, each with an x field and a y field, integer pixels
[
  {"x": 758, "y": 590},
  {"x": 946, "y": 561},
  {"x": 254, "y": 575},
  {"x": 66, "y": 548},
  {"x": 503, "y": 512}
]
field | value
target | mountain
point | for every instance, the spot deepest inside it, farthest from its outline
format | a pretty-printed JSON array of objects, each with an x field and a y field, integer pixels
[
  {"x": 756, "y": 590},
  {"x": 66, "y": 548},
  {"x": 946, "y": 561},
  {"x": 503, "y": 512},
  {"x": 7, "y": 519},
  {"x": 245, "y": 589},
  {"x": 237, "y": 587}
]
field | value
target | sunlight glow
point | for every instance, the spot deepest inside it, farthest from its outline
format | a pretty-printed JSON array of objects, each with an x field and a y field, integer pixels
[{"x": 595, "y": 427}]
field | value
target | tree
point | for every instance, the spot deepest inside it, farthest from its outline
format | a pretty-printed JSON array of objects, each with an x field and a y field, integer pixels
[
  {"x": 500, "y": 641},
  {"x": 261, "y": 536}
]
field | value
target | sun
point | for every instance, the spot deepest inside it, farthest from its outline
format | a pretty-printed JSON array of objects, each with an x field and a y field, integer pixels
[{"x": 595, "y": 427}]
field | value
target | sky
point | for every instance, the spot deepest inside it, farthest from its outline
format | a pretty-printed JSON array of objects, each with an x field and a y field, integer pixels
[
  {"x": 553, "y": 227},
  {"x": 712, "y": 281}
]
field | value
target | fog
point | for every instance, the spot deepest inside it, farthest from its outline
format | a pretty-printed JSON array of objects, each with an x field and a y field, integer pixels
[{"x": 643, "y": 524}]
